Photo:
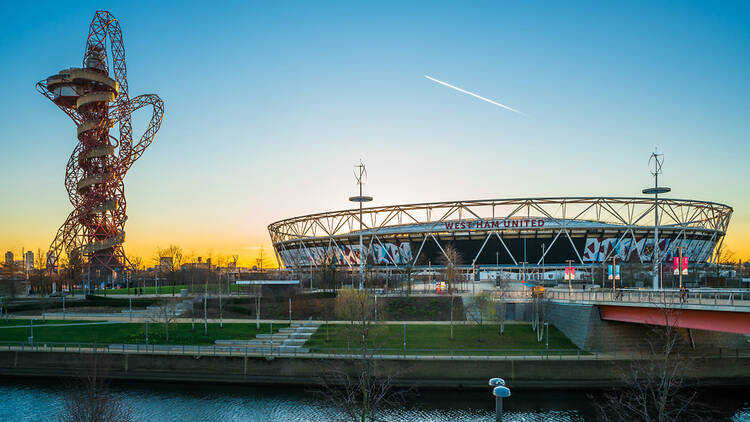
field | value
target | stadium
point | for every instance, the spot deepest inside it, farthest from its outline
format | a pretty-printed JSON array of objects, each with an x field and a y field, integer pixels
[{"x": 503, "y": 233}]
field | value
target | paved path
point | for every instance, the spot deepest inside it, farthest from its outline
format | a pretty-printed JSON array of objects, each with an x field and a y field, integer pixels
[
  {"x": 125, "y": 318},
  {"x": 176, "y": 350},
  {"x": 64, "y": 325}
]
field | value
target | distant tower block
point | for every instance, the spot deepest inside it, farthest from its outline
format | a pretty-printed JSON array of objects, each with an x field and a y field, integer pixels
[{"x": 95, "y": 229}]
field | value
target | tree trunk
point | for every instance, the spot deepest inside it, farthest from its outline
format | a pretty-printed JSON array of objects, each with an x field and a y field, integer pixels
[
  {"x": 480, "y": 326},
  {"x": 452, "y": 298}
]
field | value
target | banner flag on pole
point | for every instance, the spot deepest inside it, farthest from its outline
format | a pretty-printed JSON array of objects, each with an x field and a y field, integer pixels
[{"x": 684, "y": 265}]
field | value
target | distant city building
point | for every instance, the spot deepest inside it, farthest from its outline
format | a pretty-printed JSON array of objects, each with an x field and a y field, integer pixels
[
  {"x": 199, "y": 265},
  {"x": 8, "y": 258},
  {"x": 28, "y": 261}
]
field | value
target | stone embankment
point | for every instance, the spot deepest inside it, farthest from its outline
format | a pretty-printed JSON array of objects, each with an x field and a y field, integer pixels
[{"x": 304, "y": 369}]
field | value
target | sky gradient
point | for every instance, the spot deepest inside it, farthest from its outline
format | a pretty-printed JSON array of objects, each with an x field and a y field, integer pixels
[{"x": 268, "y": 105}]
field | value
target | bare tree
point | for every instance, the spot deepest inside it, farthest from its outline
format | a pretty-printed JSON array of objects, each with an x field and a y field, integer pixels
[
  {"x": 40, "y": 260},
  {"x": 258, "y": 295},
  {"x": 220, "y": 304},
  {"x": 260, "y": 260},
  {"x": 75, "y": 269},
  {"x": 363, "y": 393},
  {"x": 175, "y": 255},
  {"x": 90, "y": 399},
  {"x": 481, "y": 309},
  {"x": 326, "y": 271},
  {"x": 502, "y": 292},
  {"x": 453, "y": 299},
  {"x": 540, "y": 315},
  {"x": 450, "y": 261},
  {"x": 165, "y": 313},
  {"x": 656, "y": 387},
  {"x": 136, "y": 265}
]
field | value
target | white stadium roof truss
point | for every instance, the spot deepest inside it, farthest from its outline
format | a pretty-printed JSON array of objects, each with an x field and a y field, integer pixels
[{"x": 605, "y": 214}]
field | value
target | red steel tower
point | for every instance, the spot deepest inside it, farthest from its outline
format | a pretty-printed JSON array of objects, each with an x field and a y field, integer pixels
[{"x": 95, "y": 229}]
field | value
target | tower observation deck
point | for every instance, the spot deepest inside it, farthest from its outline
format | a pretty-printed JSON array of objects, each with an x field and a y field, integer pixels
[{"x": 94, "y": 232}]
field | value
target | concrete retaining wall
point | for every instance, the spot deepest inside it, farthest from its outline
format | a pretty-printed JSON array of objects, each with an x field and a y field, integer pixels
[
  {"x": 584, "y": 326},
  {"x": 440, "y": 373}
]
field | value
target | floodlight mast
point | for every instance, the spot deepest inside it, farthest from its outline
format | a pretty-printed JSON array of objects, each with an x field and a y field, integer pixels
[
  {"x": 658, "y": 160},
  {"x": 360, "y": 173}
]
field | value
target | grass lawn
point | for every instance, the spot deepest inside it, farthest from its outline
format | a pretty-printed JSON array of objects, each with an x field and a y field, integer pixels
[
  {"x": 135, "y": 333},
  {"x": 389, "y": 339}
]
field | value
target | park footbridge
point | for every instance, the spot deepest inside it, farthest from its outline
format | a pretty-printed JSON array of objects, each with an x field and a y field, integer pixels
[{"x": 716, "y": 310}]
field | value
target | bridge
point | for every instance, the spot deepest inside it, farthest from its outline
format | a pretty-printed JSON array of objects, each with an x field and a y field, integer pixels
[
  {"x": 607, "y": 319},
  {"x": 719, "y": 310}
]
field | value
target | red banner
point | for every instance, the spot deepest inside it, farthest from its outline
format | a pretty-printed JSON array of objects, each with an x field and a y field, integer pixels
[{"x": 684, "y": 265}]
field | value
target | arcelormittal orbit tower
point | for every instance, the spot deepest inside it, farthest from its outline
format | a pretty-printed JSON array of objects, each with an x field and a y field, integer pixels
[{"x": 96, "y": 97}]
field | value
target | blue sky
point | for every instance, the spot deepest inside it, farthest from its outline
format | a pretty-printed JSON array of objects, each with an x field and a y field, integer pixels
[{"x": 269, "y": 104}]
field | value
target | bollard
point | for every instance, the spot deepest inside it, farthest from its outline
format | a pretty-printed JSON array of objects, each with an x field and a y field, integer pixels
[{"x": 500, "y": 391}]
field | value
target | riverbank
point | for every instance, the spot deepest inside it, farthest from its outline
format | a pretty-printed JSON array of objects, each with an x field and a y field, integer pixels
[{"x": 431, "y": 373}]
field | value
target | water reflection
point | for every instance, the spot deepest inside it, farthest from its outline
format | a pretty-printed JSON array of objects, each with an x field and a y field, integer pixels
[{"x": 40, "y": 400}]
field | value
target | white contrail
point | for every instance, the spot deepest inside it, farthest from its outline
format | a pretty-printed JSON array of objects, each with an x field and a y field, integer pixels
[{"x": 475, "y": 95}]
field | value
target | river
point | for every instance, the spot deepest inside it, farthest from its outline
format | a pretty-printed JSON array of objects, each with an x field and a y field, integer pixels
[{"x": 37, "y": 400}]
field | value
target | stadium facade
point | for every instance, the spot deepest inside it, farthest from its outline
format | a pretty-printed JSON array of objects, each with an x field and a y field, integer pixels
[{"x": 504, "y": 233}]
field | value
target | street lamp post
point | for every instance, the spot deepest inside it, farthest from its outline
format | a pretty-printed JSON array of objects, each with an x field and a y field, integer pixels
[
  {"x": 658, "y": 160},
  {"x": 473, "y": 277},
  {"x": 679, "y": 268},
  {"x": 543, "y": 249},
  {"x": 429, "y": 275},
  {"x": 614, "y": 272},
  {"x": 360, "y": 173}
]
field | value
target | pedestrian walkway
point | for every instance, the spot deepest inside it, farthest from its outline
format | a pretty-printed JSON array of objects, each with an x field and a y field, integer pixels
[{"x": 151, "y": 312}]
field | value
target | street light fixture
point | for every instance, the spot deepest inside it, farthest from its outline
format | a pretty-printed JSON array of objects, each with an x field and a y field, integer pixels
[
  {"x": 360, "y": 173},
  {"x": 543, "y": 250},
  {"x": 658, "y": 160}
]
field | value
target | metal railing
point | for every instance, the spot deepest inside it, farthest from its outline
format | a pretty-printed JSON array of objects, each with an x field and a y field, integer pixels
[
  {"x": 739, "y": 299},
  {"x": 198, "y": 351}
]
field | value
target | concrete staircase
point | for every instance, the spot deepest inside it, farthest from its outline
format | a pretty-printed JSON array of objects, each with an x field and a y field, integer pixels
[{"x": 289, "y": 339}]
